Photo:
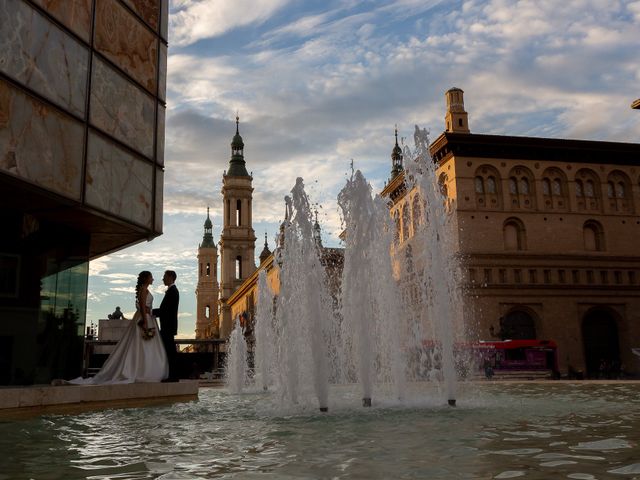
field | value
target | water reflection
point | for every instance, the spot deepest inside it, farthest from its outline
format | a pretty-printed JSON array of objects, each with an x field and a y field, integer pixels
[{"x": 498, "y": 431}]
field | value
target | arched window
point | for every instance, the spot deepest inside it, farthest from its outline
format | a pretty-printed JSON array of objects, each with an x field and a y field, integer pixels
[
  {"x": 442, "y": 184},
  {"x": 593, "y": 235},
  {"x": 554, "y": 189},
  {"x": 619, "y": 192},
  {"x": 521, "y": 188},
  {"x": 487, "y": 188},
  {"x": 405, "y": 222},
  {"x": 239, "y": 212},
  {"x": 207, "y": 312},
  {"x": 396, "y": 221},
  {"x": 491, "y": 184},
  {"x": 514, "y": 234},
  {"x": 588, "y": 190},
  {"x": 518, "y": 325},
  {"x": 408, "y": 256},
  {"x": 208, "y": 270},
  {"x": 238, "y": 267},
  {"x": 416, "y": 212}
]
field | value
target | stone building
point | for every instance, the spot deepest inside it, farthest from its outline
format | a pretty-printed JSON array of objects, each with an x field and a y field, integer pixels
[
  {"x": 207, "y": 290},
  {"x": 237, "y": 247},
  {"x": 82, "y": 108},
  {"x": 547, "y": 229}
]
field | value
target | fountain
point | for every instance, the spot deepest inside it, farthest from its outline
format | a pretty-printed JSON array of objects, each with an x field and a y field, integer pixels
[
  {"x": 362, "y": 333},
  {"x": 264, "y": 354},
  {"x": 236, "y": 372}
]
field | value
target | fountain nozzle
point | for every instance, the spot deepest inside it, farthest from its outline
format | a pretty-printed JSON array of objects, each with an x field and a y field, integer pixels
[
  {"x": 324, "y": 409},
  {"x": 366, "y": 402},
  {"x": 452, "y": 402}
]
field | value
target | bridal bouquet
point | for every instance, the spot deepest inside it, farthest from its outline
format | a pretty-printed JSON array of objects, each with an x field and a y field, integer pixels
[{"x": 148, "y": 333}]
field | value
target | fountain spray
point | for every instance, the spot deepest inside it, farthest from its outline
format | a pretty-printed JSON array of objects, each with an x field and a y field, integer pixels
[{"x": 440, "y": 286}]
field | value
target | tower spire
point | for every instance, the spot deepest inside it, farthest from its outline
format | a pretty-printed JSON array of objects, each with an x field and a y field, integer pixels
[
  {"x": 237, "y": 166},
  {"x": 207, "y": 290},
  {"x": 207, "y": 238},
  {"x": 265, "y": 251},
  {"x": 317, "y": 236},
  {"x": 396, "y": 158}
]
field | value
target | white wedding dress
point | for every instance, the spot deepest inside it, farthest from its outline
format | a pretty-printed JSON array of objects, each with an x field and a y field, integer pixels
[{"x": 134, "y": 358}]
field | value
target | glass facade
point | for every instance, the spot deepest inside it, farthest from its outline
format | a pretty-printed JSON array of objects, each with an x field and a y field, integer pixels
[{"x": 82, "y": 113}]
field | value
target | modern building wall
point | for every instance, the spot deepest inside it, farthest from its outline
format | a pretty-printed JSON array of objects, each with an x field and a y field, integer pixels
[{"x": 82, "y": 108}]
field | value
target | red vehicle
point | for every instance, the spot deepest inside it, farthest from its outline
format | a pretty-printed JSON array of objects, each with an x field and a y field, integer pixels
[{"x": 519, "y": 354}]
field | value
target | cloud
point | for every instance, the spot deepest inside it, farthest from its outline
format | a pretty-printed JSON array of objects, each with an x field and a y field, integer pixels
[
  {"x": 194, "y": 20},
  {"x": 96, "y": 267}
]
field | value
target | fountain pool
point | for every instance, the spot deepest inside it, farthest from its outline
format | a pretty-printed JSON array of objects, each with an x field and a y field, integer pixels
[{"x": 499, "y": 430}]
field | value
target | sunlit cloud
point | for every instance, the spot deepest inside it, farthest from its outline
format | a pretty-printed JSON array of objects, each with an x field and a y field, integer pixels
[{"x": 198, "y": 19}]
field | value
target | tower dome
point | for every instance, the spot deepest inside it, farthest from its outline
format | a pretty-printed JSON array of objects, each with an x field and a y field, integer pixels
[
  {"x": 207, "y": 238},
  {"x": 265, "y": 251},
  {"x": 237, "y": 166}
]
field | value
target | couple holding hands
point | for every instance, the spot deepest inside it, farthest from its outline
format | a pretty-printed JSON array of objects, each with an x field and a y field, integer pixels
[{"x": 141, "y": 355}]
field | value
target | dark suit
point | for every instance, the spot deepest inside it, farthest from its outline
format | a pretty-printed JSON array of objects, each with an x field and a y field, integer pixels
[{"x": 168, "y": 314}]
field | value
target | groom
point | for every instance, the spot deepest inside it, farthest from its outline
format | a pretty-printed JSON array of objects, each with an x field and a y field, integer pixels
[{"x": 168, "y": 313}]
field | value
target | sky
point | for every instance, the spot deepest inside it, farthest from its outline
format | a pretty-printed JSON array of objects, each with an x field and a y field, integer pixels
[{"x": 321, "y": 83}]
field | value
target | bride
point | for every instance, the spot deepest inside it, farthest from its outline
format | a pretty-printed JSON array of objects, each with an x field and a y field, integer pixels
[{"x": 139, "y": 356}]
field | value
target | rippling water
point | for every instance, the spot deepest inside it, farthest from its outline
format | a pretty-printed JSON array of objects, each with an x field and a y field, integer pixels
[{"x": 580, "y": 431}]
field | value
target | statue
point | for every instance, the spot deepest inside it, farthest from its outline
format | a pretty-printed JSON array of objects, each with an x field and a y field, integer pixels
[{"x": 117, "y": 315}]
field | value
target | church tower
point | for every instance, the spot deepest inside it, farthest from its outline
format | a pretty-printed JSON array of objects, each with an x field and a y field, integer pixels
[
  {"x": 396, "y": 159},
  {"x": 238, "y": 240},
  {"x": 456, "y": 119},
  {"x": 207, "y": 292}
]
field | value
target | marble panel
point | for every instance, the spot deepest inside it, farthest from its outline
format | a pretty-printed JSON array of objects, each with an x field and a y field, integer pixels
[
  {"x": 73, "y": 14},
  {"x": 147, "y": 9},
  {"x": 164, "y": 19},
  {"x": 39, "y": 144},
  {"x": 42, "y": 57},
  {"x": 159, "y": 199},
  {"x": 160, "y": 135},
  {"x": 118, "y": 182},
  {"x": 121, "y": 109},
  {"x": 162, "y": 74},
  {"x": 126, "y": 42}
]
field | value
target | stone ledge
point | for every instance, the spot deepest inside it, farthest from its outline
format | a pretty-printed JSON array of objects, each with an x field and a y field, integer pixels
[{"x": 41, "y": 398}]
